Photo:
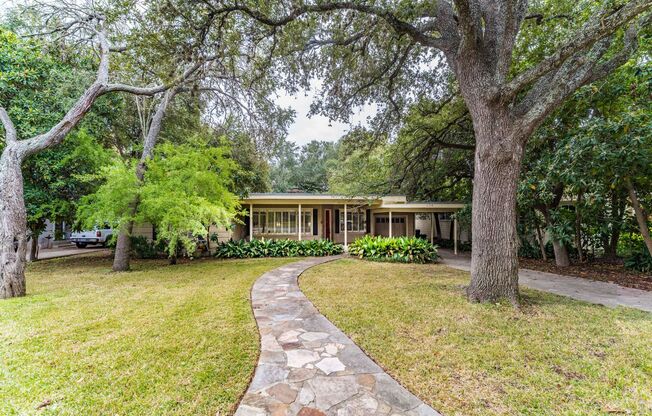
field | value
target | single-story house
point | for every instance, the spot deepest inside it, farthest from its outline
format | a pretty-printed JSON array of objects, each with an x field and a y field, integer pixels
[
  {"x": 342, "y": 219},
  {"x": 304, "y": 216}
]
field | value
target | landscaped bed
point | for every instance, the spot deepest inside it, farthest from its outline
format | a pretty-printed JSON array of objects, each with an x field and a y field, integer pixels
[
  {"x": 555, "y": 356},
  {"x": 164, "y": 340}
]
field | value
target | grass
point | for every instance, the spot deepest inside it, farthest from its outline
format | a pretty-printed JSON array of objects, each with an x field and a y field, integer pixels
[
  {"x": 555, "y": 356},
  {"x": 161, "y": 340}
]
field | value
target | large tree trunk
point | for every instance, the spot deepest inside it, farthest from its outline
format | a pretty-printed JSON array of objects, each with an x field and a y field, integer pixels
[
  {"x": 13, "y": 225},
  {"x": 494, "y": 261},
  {"x": 641, "y": 216}
]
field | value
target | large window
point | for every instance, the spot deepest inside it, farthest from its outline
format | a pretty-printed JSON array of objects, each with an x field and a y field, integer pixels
[
  {"x": 281, "y": 221},
  {"x": 356, "y": 221}
]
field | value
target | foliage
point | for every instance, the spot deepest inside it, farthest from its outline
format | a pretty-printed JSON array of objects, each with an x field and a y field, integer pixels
[
  {"x": 304, "y": 168},
  {"x": 395, "y": 249},
  {"x": 185, "y": 190},
  {"x": 141, "y": 247},
  {"x": 242, "y": 249},
  {"x": 431, "y": 157},
  {"x": 640, "y": 260},
  {"x": 636, "y": 256}
]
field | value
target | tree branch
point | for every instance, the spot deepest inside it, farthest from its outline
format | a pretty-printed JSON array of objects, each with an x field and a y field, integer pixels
[
  {"x": 79, "y": 109},
  {"x": 597, "y": 28},
  {"x": 581, "y": 69},
  {"x": 10, "y": 130},
  {"x": 419, "y": 35}
]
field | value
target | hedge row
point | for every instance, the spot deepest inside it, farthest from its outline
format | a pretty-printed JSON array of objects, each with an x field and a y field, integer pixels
[{"x": 277, "y": 248}]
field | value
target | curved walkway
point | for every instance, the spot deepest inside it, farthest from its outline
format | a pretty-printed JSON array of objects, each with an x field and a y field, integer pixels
[{"x": 309, "y": 367}]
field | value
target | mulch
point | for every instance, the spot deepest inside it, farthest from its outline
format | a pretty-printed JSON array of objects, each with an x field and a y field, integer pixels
[{"x": 613, "y": 272}]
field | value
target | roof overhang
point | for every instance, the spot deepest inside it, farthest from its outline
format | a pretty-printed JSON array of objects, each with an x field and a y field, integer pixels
[{"x": 420, "y": 207}]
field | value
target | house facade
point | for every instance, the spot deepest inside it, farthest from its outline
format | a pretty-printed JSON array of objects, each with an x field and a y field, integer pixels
[{"x": 342, "y": 219}]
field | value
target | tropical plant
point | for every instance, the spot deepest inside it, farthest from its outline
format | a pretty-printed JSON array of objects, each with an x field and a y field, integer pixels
[
  {"x": 395, "y": 249},
  {"x": 242, "y": 249}
]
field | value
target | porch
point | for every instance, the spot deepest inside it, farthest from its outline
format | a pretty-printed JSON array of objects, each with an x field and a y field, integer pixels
[{"x": 342, "y": 219}]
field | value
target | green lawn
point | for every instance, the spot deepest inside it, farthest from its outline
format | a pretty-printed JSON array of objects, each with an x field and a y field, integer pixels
[
  {"x": 556, "y": 356},
  {"x": 161, "y": 340}
]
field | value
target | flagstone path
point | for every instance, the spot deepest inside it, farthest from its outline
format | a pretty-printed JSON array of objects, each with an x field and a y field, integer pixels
[{"x": 307, "y": 366}]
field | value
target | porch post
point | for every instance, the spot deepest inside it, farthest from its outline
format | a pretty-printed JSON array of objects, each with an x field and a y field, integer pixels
[
  {"x": 390, "y": 224},
  {"x": 251, "y": 222},
  {"x": 346, "y": 229},
  {"x": 432, "y": 228},
  {"x": 299, "y": 220},
  {"x": 455, "y": 235}
]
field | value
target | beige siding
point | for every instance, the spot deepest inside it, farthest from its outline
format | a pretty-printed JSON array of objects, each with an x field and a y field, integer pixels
[{"x": 143, "y": 230}]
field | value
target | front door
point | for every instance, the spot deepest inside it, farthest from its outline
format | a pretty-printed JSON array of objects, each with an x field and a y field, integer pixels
[{"x": 327, "y": 224}]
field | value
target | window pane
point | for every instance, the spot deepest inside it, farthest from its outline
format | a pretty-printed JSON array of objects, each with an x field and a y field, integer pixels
[{"x": 293, "y": 222}]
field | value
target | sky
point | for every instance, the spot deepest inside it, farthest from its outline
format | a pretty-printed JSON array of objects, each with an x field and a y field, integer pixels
[{"x": 305, "y": 129}]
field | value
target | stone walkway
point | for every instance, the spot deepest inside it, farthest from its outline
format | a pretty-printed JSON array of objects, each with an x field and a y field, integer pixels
[
  {"x": 309, "y": 367},
  {"x": 593, "y": 291}
]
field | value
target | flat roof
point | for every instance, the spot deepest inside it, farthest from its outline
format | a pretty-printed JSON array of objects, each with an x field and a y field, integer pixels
[{"x": 393, "y": 202}]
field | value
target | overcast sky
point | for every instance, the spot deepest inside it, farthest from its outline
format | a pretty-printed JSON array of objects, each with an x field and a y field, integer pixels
[{"x": 305, "y": 129}]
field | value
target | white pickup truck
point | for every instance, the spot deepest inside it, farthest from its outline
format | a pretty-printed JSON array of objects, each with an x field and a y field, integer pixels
[{"x": 94, "y": 237}]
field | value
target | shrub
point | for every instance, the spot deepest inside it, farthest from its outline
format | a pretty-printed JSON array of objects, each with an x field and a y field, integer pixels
[
  {"x": 529, "y": 250},
  {"x": 634, "y": 251},
  {"x": 639, "y": 260},
  {"x": 397, "y": 249},
  {"x": 277, "y": 248},
  {"x": 141, "y": 247}
]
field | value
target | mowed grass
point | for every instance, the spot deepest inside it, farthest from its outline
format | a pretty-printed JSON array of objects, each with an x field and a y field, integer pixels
[
  {"x": 555, "y": 356},
  {"x": 161, "y": 340}
]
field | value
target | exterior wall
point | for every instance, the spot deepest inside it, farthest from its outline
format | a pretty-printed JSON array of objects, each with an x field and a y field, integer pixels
[
  {"x": 223, "y": 233},
  {"x": 143, "y": 230},
  {"x": 399, "y": 229}
]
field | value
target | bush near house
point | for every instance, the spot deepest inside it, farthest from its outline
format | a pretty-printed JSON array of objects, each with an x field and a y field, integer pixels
[
  {"x": 277, "y": 248},
  {"x": 396, "y": 249}
]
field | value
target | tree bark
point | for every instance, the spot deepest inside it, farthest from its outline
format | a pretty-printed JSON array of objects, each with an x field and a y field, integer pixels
[
  {"x": 562, "y": 259},
  {"x": 542, "y": 246},
  {"x": 33, "y": 251},
  {"x": 578, "y": 229},
  {"x": 641, "y": 216},
  {"x": 494, "y": 255},
  {"x": 122, "y": 257},
  {"x": 13, "y": 225}
]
